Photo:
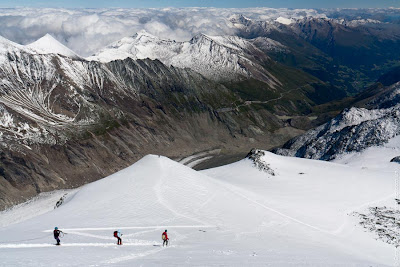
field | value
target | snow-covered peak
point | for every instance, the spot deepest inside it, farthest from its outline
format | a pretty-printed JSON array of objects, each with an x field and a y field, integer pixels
[
  {"x": 239, "y": 18},
  {"x": 355, "y": 116},
  {"x": 138, "y": 46},
  {"x": 49, "y": 45},
  {"x": 145, "y": 35},
  {"x": 232, "y": 42},
  {"x": 358, "y": 22},
  {"x": 239, "y": 21},
  {"x": 200, "y": 37},
  {"x": 145, "y": 45},
  {"x": 139, "y": 37}
]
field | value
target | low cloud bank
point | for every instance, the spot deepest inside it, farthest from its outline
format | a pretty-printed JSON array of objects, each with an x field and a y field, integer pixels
[{"x": 86, "y": 31}]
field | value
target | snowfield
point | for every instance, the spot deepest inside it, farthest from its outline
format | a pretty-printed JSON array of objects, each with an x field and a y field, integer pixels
[{"x": 234, "y": 215}]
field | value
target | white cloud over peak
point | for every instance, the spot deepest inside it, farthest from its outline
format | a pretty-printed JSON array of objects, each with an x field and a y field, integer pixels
[{"x": 86, "y": 31}]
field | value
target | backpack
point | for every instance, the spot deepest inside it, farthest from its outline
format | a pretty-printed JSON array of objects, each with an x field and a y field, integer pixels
[
  {"x": 163, "y": 237},
  {"x": 115, "y": 233}
]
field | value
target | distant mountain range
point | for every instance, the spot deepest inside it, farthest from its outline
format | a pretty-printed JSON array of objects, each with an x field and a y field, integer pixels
[
  {"x": 220, "y": 58},
  {"x": 67, "y": 120},
  {"x": 348, "y": 55}
]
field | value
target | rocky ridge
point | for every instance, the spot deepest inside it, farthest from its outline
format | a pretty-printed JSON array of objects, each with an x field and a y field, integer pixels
[{"x": 354, "y": 129}]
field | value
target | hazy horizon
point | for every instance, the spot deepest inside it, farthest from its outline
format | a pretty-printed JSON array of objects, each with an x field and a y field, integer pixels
[
  {"x": 86, "y": 31},
  {"x": 204, "y": 3}
]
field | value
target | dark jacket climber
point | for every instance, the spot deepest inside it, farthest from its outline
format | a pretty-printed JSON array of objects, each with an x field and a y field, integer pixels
[
  {"x": 56, "y": 233},
  {"x": 118, "y": 235}
]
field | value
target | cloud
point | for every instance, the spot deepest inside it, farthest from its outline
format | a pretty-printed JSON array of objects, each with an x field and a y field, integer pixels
[{"x": 86, "y": 31}]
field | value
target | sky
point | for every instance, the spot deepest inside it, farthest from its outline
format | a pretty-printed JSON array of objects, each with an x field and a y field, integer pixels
[{"x": 202, "y": 3}]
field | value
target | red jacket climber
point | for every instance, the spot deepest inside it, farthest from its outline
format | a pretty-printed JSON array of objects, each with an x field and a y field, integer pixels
[{"x": 164, "y": 237}]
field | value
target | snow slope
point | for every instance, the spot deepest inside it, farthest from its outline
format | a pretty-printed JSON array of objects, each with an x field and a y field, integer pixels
[
  {"x": 374, "y": 157},
  {"x": 233, "y": 215},
  {"x": 49, "y": 45},
  {"x": 38, "y": 205}
]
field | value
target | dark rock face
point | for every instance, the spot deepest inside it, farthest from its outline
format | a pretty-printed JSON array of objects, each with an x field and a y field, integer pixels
[
  {"x": 395, "y": 159},
  {"x": 300, "y": 123}
]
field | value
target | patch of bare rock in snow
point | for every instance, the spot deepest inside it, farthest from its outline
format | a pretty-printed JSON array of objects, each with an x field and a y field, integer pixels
[
  {"x": 256, "y": 155},
  {"x": 384, "y": 222}
]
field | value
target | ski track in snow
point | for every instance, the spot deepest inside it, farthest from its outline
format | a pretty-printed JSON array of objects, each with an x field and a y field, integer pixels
[
  {"x": 177, "y": 239},
  {"x": 235, "y": 190},
  {"x": 159, "y": 193},
  {"x": 43, "y": 245},
  {"x": 133, "y": 227},
  {"x": 141, "y": 232},
  {"x": 134, "y": 256}
]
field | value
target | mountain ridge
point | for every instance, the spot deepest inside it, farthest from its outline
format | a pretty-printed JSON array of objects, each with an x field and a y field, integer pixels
[
  {"x": 353, "y": 130},
  {"x": 61, "y": 117}
]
